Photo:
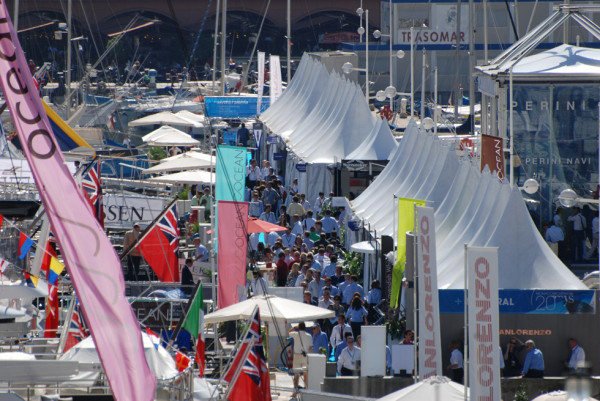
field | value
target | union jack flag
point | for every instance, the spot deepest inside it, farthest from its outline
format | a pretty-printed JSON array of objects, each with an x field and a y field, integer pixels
[
  {"x": 93, "y": 188},
  {"x": 253, "y": 382},
  {"x": 77, "y": 330},
  {"x": 159, "y": 246},
  {"x": 168, "y": 225}
]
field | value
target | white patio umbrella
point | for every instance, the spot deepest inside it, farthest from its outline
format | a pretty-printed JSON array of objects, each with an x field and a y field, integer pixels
[
  {"x": 164, "y": 117},
  {"x": 199, "y": 118},
  {"x": 167, "y": 135},
  {"x": 282, "y": 309},
  {"x": 182, "y": 161},
  {"x": 185, "y": 177},
  {"x": 436, "y": 388},
  {"x": 557, "y": 396}
]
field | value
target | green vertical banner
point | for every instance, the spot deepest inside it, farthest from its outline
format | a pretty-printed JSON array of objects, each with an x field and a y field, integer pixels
[
  {"x": 231, "y": 173},
  {"x": 406, "y": 222}
]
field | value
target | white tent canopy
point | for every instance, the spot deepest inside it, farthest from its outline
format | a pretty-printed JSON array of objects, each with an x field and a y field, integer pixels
[
  {"x": 167, "y": 136},
  {"x": 165, "y": 117},
  {"x": 185, "y": 177},
  {"x": 470, "y": 208},
  {"x": 323, "y": 119},
  {"x": 159, "y": 360},
  {"x": 198, "y": 118},
  {"x": 438, "y": 388},
  {"x": 283, "y": 309},
  {"x": 182, "y": 161}
]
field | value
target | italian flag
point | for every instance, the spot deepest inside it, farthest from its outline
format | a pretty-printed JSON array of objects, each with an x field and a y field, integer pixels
[{"x": 194, "y": 324}]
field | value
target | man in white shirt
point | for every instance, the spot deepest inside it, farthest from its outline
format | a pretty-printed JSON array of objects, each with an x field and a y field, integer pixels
[
  {"x": 578, "y": 234},
  {"x": 302, "y": 346},
  {"x": 319, "y": 202},
  {"x": 577, "y": 358},
  {"x": 595, "y": 230},
  {"x": 553, "y": 236},
  {"x": 315, "y": 285},
  {"x": 253, "y": 174},
  {"x": 258, "y": 284},
  {"x": 349, "y": 360},
  {"x": 338, "y": 331}
]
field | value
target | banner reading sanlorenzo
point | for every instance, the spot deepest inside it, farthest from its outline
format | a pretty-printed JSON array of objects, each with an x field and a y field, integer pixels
[
  {"x": 92, "y": 262},
  {"x": 484, "y": 354},
  {"x": 430, "y": 352}
]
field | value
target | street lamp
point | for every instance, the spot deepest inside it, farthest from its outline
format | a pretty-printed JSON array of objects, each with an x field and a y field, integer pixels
[
  {"x": 390, "y": 91},
  {"x": 347, "y": 68}
]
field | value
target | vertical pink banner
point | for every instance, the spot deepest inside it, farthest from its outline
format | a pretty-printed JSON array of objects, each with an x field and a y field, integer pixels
[
  {"x": 233, "y": 244},
  {"x": 92, "y": 263}
]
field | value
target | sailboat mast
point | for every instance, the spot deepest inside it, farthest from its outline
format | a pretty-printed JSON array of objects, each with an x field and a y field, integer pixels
[
  {"x": 223, "y": 43},
  {"x": 216, "y": 41},
  {"x": 289, "y": 45},
  {"x": 68, "y": 76}
]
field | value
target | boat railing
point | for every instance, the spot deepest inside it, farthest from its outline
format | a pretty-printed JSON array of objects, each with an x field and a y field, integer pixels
[{"x": 32, "y": 379}]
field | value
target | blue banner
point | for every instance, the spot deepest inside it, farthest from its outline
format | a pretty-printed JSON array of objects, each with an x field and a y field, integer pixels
[
  {"x": 230, "y": 138},
  {"x": 539, "y": 302},
  {"x": 272, "y": 140},
  {"x": 301, "y": 167},
  {"x": 231, "y": 173},
  {"x": 234, "y": 106}
]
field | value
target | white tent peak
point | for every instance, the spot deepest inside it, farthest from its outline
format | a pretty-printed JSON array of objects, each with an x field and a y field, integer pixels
[{"x": 471, "y": 207}]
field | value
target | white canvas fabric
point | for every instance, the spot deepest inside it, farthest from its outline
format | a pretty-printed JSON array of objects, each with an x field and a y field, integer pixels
[{"x": 471, "y": 207}]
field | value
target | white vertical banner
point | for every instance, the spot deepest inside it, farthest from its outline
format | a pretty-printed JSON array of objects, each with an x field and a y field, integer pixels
[
  {"x": 430, "y": 351},
  {"x": 276, "y": 87},
  {"x": 261, "y": 80},
  {"x": 484, "y": 357}
]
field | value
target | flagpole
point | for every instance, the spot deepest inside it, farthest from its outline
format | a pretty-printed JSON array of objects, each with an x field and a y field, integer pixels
[
  {"x": 66, "y": 325},
  {"x": 147, "y": 230},
  {"x": 416, "y": 278},
  {"x": 466, "y": 331},
  {"x": 185, "y": 315}
]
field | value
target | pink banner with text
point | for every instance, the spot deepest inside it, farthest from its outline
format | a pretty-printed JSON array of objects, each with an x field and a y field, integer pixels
[
  {"x": 91, "y": 261},
  {"x": 232, "y": 249}
]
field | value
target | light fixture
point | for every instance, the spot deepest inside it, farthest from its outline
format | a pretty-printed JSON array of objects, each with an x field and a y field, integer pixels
[
  {"x": 390, "y": 92},
  {"x": 568, "y": 198},
  {"x": 377, "y": 34},
  {"x": 359, "y": 11},
  {"x": 347, "y": 68},
  {"x": 380, "y": 96},
  {"x": 400, "y": 54},
  {"x": 427, "y": 123},
  {"x": 531, "y": 186},
  {"x": 361, "y": 30}
]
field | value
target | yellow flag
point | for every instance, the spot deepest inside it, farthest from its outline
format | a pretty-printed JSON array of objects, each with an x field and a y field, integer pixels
[{"x": 406, "y": 222}]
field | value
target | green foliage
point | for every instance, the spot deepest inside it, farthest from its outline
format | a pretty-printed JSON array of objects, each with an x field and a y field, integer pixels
[
  {"x": 157, "y": 153},
  {"x": 323, "y": 351},
  {"x": 353, "y": 264},
  {"x": 395, "y": 328},
  {"x": 183, "y": 194},
  {"x": 521, "y": 394}
]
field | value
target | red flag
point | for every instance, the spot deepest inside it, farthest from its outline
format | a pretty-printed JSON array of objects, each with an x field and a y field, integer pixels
[
  {"x": 182, "y": 361},
  {"x": 51, "y": 312},
  {"x": 1, "y": 220},
  {"x": 253, "y": 382},
  {"x": 200, "y": 357},
  {"x": 48, "y": 257},
  {"x": 159, "y": 247}
]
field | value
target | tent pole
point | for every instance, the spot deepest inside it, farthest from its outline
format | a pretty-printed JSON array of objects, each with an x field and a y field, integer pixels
[{"x": 466, "y": 330}]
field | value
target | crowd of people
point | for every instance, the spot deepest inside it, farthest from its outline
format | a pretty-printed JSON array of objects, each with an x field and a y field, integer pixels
[
  {"x": 568, "y": 234},
  {"x": 520, "y": 359}
]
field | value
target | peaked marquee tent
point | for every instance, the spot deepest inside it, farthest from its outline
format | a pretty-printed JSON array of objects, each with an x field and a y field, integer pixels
[
  {"x": 470, "y": 207},
  {"x": 323, "y": 118}
]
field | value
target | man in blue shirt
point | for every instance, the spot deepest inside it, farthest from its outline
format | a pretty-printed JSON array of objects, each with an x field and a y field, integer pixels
[
  {"x": 534, "y": 361},
  {"x": 329, "y": 270},
  {"x": 320, "y": 339},
  {"x": 329, "y": 224}
]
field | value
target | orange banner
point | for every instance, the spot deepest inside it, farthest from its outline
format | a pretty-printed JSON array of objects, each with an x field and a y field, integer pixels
[{"x": 492, "y": 155}]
